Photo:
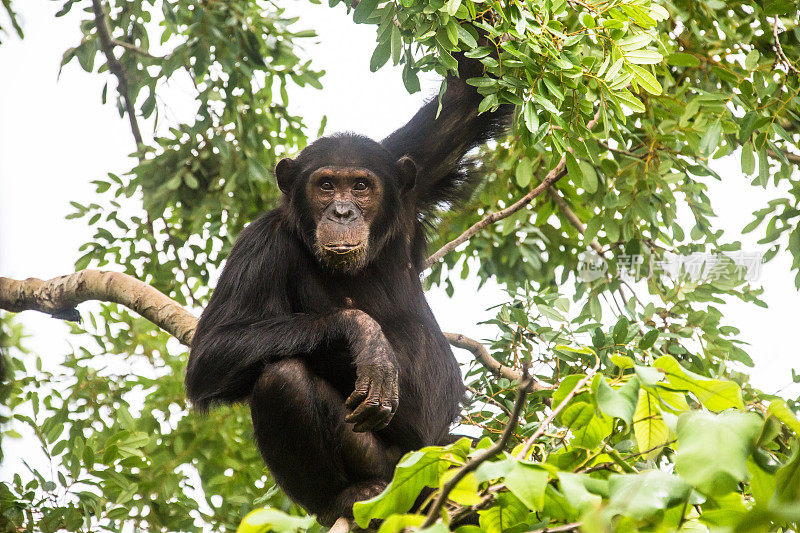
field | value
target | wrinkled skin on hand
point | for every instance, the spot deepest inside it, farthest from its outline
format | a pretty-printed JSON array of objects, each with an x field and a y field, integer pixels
[{"x": 376, "y": 396}]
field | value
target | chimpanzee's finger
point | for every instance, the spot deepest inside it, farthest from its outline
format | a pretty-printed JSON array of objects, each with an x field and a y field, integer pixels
[
  {"x": 359, "y": 394},
  {"x": 363, "y": 416},
  {"x": 386, "y": 416},
  {"x": 376, "y": 419}
]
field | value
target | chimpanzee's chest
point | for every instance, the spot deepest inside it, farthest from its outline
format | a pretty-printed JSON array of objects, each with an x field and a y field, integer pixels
[{"x": 387, "y": 297}]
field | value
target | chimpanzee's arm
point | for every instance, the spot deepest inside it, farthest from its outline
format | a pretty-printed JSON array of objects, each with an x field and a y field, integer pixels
[
  {"x": 247, "y": 324},
  {"x": 227, "y": 359},
  {"x": 438, "y": 144}
]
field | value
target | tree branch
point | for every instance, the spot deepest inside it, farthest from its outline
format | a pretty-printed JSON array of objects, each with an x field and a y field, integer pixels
[
  {"x": 573, "y": 219},
  {"x": 133, "y": 48},
  {"x": 107, "y": 46},
  {"x": 794, "y": 158},
  {"x": 779, "y": 49},
  {"x": 553, "y": 176},
  {"x": 525, "y": 386},
  {"x": 546, "y": 422},
  {"x": 482, "y": 355},
  {"x": 621, "y": 151},
  {"x": 340, "y": 526},
  {"x": 59, "y": 296}
]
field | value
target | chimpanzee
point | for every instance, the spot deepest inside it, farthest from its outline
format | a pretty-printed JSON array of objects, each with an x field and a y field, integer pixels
[{"x": 319, "y": 318}]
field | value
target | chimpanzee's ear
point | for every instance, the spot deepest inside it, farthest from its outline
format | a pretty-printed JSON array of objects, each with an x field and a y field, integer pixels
[
  {"x": 408, "y": 172},
  {"x": 285, "y": 172}
]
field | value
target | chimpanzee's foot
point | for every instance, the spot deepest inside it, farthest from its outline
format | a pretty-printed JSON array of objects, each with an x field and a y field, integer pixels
[{"x": 343, "y": 504}]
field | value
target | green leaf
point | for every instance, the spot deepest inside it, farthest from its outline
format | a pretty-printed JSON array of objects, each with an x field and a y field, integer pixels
[
  {"x": 545, "y": 103},
  {"x": 380, "y": 56},
  {"x": 647, "y": 80},
  {"x": 482, "y": 82},
  {"x": 263, "y": 520},
  {"x": 641, "y": 496},
  {"x": 748, "y": 159},
  {"x": 573, "y": 486},
  {"x": 363, "y": 10},
  {"x": 644, "y": 57},
  {"x": 763, "y": 168},
  {"x": 410, "y": 79},
  {"x": 619, "y": 403},
  {"x": 573, "y": 169},
  {"x": 681, "y": 59},
  {"x": 648, "y": 426},
  {"x": 621, "y": 330},
  {"x": 417, "y": 470},
  {"x": 452, "y": 6},
  {"x": 787, "y": 479},
  {"x": 631, "y": 101},
  {"x": 710, "y": 139},
  {"x": 530, "y": 117},
  {"x": 524, "y": 172},
  {"x": 528, "y": 483},
  {"x": 713, "y": 449},
  {"x": 466, "y": 37},
  {"x": 587, "y": 427},
  {"x": 751, "y": 61},
  {"x": 779, "y": 410},
  {"x": 399, "y": 522},
  {"x": 715, "y": 394},
  {"x": 635, "y": 42},
  {"x": 648, "y": 339},
  {"x": 506, "y": 512},
  {"x": 466, "y": 491},
  {"x": 397, "y": 44},
  {"x": 589, "y": 177}
]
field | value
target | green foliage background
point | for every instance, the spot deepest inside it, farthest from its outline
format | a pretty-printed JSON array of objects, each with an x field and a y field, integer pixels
[{"x": 665, "y": 435}]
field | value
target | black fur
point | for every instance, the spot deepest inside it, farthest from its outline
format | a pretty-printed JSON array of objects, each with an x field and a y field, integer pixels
[{"x": 279, "y": 330}]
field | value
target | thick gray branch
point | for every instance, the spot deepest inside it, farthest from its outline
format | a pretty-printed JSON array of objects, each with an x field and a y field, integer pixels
[{"x": 59, "y": 296}]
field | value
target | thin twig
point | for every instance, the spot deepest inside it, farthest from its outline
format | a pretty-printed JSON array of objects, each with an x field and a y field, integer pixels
[
  {"x": 526, "y": 383},
  {"x": 779, "y": 49},
  {"x": 794, "y": 158},
  {"x": 482, "y": 355},
  {"x": 135, "y": 49},
  {"x": 546, "y": 422},
  {"x": 573, "y": 219},
  {"x": 573, "y": 526},
  {"x": 107, "y": 45},
  {"x": 621, "y": 151},
  {"x": 488, "y": 399},
  {"x": 552, "y": 177}
]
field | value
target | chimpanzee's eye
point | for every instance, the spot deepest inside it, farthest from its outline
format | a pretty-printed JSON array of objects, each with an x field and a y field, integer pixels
[
  {"x": 360, "y": 185},
  {"x": 326, "y": 185}
]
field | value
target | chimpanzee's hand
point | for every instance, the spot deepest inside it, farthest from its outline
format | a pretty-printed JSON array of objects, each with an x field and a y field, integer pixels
[{"x": 376, "y": 396}]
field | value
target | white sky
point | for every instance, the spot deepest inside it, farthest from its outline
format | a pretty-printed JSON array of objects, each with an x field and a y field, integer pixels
[{"x": 55, "y": 137}]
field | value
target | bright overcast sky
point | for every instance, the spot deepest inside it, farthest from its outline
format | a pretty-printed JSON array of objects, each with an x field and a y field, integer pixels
[{"x": 55, "y": 137}]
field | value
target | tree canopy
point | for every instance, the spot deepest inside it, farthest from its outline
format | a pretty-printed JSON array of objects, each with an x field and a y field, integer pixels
[{"x": 615, "y": 396}]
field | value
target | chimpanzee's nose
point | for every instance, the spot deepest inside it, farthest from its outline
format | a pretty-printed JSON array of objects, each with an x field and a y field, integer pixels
[{"x": 344, "y": 212}]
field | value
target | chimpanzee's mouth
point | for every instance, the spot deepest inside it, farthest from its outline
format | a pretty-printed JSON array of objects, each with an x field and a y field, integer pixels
[{"x": 342, "y": 248}]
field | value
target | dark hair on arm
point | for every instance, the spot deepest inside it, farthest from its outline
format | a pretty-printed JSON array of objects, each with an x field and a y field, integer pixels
[{"x": 438, "y": 144}]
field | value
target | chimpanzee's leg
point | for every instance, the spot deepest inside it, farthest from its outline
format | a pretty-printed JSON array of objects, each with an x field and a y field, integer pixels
[{"x": 313, "y": 454}]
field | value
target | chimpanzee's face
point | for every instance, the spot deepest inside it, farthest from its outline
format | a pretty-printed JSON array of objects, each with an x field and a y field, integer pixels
[
  {"x": 344, "y": 202},
  {"x": 344, "y": 193}
]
